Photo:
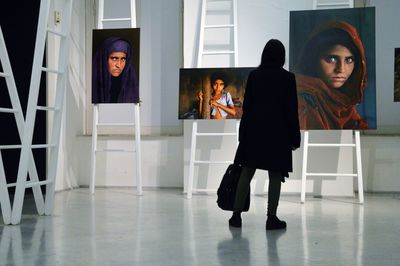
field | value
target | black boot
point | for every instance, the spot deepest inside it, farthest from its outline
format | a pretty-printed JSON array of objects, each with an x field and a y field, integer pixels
[
  {"x": 274, "y": 223},
  {"x": 235, "y": 220}
]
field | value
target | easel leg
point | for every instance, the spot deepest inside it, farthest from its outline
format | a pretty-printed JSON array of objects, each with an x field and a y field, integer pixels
[
  {"x": 304, "y": 169},
  {"x": 359, "y": 167},
  {"x": 191, "y": 162},
  {"x": 138, "y": 152},
  {"x": 94, "y": 147},
  {"x": 237, "y": 132}
]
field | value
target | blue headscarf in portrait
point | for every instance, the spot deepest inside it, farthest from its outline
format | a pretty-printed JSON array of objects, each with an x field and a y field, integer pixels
[{"x": 102, "y": 81}]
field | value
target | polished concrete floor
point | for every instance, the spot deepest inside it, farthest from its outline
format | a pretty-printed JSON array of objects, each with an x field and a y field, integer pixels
[{"x": 116, "y": 227}]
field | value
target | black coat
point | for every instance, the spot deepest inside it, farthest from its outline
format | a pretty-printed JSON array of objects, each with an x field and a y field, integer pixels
[{"x": 269, "y": 127}]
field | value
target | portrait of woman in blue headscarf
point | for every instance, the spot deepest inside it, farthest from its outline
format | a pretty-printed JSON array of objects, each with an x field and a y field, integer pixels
[{"x": 114, "y": 78}]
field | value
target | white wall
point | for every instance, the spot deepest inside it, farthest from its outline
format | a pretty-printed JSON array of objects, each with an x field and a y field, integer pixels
[
  {"x": 165, "y": 157},
  {"x": 259, "y": 21},
  {"x": 160, "y": 58},
  {"x": 160, "y": 23},
  {"x": 387, "y": 19},
  {"x": 381, "y": 167},
  {"x": 75, "y": 97},
  {"x": 162, "y": 162}
]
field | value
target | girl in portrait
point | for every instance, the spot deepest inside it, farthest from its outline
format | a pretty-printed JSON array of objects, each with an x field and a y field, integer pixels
[{"x": 331, "y": 78}]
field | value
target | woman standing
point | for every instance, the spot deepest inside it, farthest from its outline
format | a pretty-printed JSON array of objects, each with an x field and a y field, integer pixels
[{"x": 269, "y": 130}]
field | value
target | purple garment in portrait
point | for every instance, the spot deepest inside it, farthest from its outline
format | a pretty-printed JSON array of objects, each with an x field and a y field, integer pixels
[{"x": 102, "y": 81}]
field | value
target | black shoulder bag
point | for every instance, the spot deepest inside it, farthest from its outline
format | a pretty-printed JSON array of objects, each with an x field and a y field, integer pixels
[{"x": 227, "y": 189}]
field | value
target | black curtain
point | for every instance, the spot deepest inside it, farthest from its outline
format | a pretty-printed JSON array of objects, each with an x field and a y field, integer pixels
[{"x": 18, "y": 21}]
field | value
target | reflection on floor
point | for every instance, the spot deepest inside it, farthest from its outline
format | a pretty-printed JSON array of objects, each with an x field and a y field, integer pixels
[{"x": 116, "y": 227}]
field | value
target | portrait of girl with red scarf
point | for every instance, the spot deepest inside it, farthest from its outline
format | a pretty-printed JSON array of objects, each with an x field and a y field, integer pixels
[{"x": 331, "y": 78}]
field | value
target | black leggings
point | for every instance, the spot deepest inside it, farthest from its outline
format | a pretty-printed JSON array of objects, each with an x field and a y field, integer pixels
[{"x": 274, "y": 189}]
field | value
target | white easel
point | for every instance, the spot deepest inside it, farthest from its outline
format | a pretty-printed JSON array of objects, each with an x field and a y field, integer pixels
[
  {"x": 317, "y": 4},
  {"x": 201, "y": 53},
  {"x": 136, "y": 106},
  {"x": 193, "y": 161},
  {"x": 356, "y": 145}
]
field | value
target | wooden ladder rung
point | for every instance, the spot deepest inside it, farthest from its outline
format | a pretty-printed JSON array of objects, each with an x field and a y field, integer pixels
[
  {"x": 219, "y": 26},
  {"x": 10, "y": 147},
  {"x": 40, "y": 183},
  {"x": 115, "y": 19},
  {"x": 214, "y": 52},
  {"x": 114, "y": 150},
  {"x": 55, "y": 71},
  {"x": 333, "y": 4},
  {"x": 331, "y": 145},
  {"x": 115, "y": 124},
  {"x": 46, "y": 108},
  {"x": 330, "y": 174},
  {"x": 4, "y": 75},
  {"x": 19, "y": 146},
  {"x": 42, "y": 146},
  {"x": 216, "y": 134},
  {"x": 31, "y": 184},
  {"x": 8, "y": 110}
]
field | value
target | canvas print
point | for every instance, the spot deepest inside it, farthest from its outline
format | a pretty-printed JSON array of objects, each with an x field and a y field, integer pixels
[
  {"x": 332, "y": 53},
  {"x": 115, "y": 66},
  {"x": 212, "y": 93},
  {"x": 397, "y": 74}
]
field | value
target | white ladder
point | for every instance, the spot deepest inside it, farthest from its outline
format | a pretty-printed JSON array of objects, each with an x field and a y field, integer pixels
[
  {"x": 26, "y": 140},
  {"x": 17, "y": 111},
  {"x": 195, "y": 133},
  {"x": 19, "y": 118},
  {"x": 96, "y": 124},
  {"x": 356, "y": 144},
  {"x": 101, "y": 19},
  {"x": 207, "y": 27}
]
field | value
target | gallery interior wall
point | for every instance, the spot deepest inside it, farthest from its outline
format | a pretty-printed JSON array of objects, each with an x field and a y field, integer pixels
[
  {"x": 258, "y": 21},
  {"x": 380, "y": 153},
  {"x": 388, "y": 111},
  {"x": 160, "y": 59},
  {"x": 275, "y": 25}
]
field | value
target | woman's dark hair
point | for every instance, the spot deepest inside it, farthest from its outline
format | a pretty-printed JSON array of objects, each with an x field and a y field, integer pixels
[
  {"x": 273, "y": 54},
  {"x": 318, "y": 45}
]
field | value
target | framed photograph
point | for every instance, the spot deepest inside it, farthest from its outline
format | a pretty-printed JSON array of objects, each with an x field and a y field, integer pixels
[
  {"x": 212, "y": 93},
  {"x": 115, "y": 66},
  {"x": 332, "y": 53}
]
